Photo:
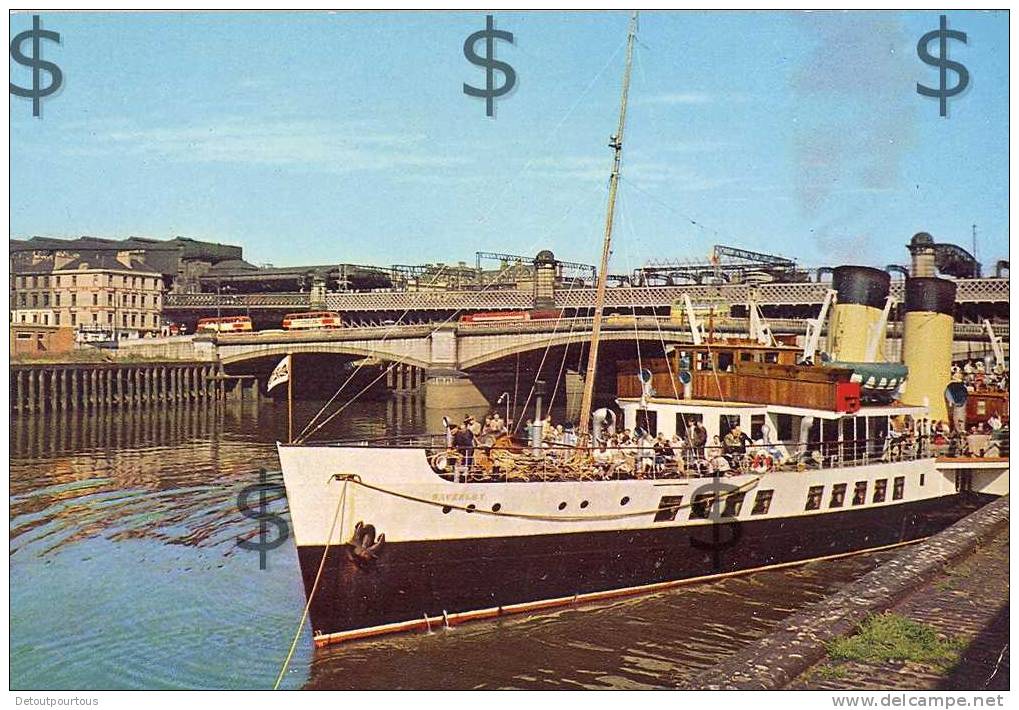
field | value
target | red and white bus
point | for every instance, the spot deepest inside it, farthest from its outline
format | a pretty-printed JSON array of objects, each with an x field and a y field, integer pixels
[
  {"x": 227, "y": 324},
  {"x": 312, "y": 320},
  {"x": 509, "y": 316}
]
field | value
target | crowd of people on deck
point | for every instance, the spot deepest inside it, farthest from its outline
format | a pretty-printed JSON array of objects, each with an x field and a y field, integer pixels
[{"x": 977, "y": 376}]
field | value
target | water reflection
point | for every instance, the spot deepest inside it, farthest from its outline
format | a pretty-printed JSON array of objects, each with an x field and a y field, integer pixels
[{"x": 125, "y": 573}]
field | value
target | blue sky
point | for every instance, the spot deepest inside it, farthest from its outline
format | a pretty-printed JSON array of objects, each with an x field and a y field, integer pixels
[{"x": 327, "y": 137}]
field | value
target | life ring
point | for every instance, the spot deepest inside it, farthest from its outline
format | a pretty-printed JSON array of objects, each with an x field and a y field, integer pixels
[{"x": 763, "y": 462}]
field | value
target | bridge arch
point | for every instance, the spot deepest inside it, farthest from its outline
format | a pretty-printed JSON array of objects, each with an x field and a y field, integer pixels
[
  {"x": 281, "y": 349},
  {"x": 652, "y": 337}
]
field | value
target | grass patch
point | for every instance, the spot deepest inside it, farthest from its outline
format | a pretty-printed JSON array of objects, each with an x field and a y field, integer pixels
[
  {"x": 830, "y": 672},
  {"x": 891, "y": 637}
]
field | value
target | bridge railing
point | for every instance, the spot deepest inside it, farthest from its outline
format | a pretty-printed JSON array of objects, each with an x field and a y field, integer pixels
[
  {"x": 236, "y": 300},
  {"x": 991, "y": 290}
]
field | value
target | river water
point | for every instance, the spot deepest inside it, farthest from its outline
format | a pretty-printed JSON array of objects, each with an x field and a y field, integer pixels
[{"x": 126, "y": 573}]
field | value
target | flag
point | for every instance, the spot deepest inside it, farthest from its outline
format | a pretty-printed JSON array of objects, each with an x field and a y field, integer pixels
[{"x": 280, "y": 375}]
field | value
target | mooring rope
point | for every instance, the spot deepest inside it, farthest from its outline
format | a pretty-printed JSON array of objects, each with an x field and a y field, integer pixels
[
  {"x": 314, "y": 586},
  {"x": 547, "y": 518}
]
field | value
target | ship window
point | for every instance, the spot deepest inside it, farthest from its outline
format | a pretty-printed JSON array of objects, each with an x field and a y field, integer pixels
[
  {"x": 838, "y": 495},
  {"x": 726, "y": 423},
  {"x": 814, "y": 497},
  {"x": 700, "y": 509},
  {"x": 745, "y": 356},
  {"x": 725, "y": 360},
  {"x": 704, "y": 361},
  {"x": 647, "y": 420},
  {"x": 733, "y": 504},
  {"x": 899, "y": 487},
  {"x": 785, "y": 427},
  {"x": 668, "y": 506},
  {"x": 860, "y": 493},
  {"x": 756, "y": 427},
  {"x": 762, "y": 503},
  {"x": 771, "y": 356},
  {"x": 686, "y": 420},
  {"x": 923, "y": 477},
  {"x": 880, "y": 490}
]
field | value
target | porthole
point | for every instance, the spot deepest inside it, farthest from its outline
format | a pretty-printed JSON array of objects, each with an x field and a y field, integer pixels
[
  {"x": 497, "y": 507},
  {"x": 584, "y": 504},
  {"x": 446, "y": 509},
  {"x": 471, "y": 507},
  {"x": 625, "y": 500},
  {"x": 562, "y": 506}
]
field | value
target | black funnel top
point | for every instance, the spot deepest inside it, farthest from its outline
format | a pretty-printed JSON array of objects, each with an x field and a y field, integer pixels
[
  {"x": 930, "y": 295},
  {"x": 861, "y": 284}
]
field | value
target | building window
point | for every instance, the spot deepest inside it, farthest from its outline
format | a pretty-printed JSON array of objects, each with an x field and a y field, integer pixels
[
  {"x": 74, "y": 299},
  {"x": 838, "y": 495},
  {"x": 762, "y": 503},
  {"x": 668, "y": 506},
  {"x": 23, "y": 299},
  {"x": 109, "y": 299},
  {"x": 56, "y": 318},
  {"x": 134, "y": 300},
  {"x": 155, "y": 321},
  {"x": 95, "y": 317},
  {"x": 35, "y": 300},
  {"x": 143, "y": 300},
  {"x": 74, "y": 319},
  {"x": 56, "y": 299},
  {"x": 814, "y": 496},
  {"x": 109, "y": 317},
  {"x": 95, "y": 299},
  {"x": 134, "y": 319},
  {"x": 880, "y": 490},
  {"x": 860, "y": 493},
  {"x": 123, "y": 318},
  {"x": 899, "y": 487}
]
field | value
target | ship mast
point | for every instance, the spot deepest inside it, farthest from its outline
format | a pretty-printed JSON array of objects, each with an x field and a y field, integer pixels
[{"x": 616, "y": 143}]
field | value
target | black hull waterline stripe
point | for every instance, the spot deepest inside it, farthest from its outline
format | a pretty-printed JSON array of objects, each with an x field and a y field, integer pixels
[{"x": 414, "y": 580}]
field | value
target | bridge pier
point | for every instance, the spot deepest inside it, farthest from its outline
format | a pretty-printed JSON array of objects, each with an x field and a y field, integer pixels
[{"x": 447, "y": 389}]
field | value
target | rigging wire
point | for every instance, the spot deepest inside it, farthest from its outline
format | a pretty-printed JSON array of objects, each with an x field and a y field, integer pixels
[
  {"x": 314, "y": 587},
  {"x": 360, "y": 364}
]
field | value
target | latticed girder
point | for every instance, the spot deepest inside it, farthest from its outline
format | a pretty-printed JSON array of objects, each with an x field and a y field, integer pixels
[{"x": 969, "y": 291}]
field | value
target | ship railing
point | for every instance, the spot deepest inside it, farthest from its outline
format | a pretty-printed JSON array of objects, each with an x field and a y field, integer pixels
[{"x": 508, "y": 461}]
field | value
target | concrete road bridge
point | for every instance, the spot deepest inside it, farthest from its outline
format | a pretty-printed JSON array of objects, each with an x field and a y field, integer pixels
[{"x": 464, "y": 346}]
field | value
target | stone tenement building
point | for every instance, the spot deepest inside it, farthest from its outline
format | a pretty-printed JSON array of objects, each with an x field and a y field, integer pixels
[{"x": 114, "y": 294}]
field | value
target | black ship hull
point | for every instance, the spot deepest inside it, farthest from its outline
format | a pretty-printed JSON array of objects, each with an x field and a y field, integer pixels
[{"x": 413, "y": 580}]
